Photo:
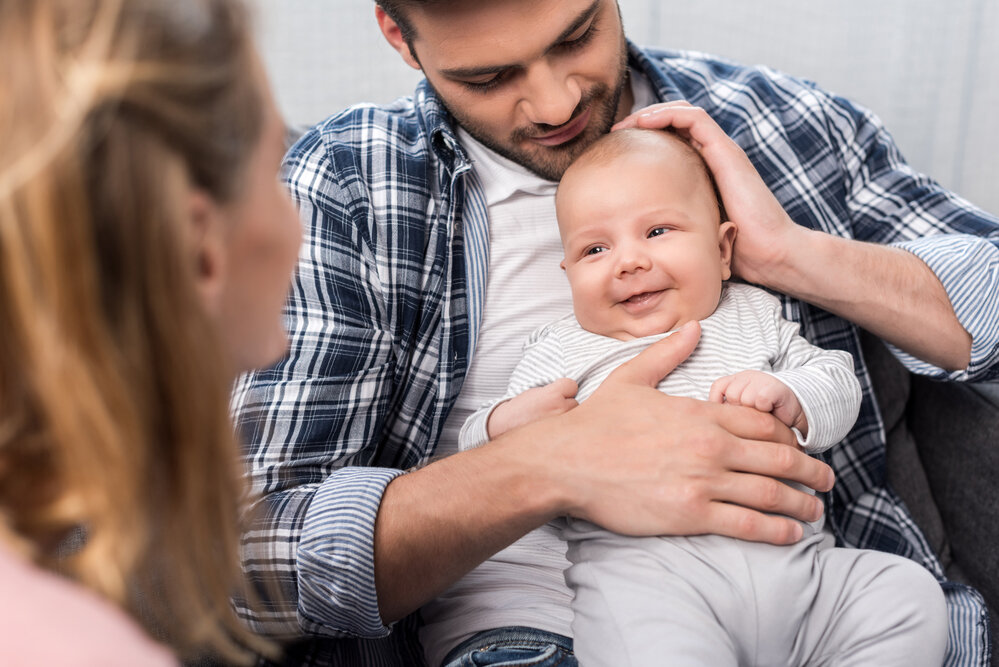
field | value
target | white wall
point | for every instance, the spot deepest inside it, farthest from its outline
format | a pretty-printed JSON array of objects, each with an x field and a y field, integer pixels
[
  {"x": 929, "y": 69},
  {"x": 324, "y": 55}
]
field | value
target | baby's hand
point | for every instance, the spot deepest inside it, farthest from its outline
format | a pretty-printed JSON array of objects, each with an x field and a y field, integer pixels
[
  {"x": 536, "y": 403},
  {"x": 764, "y": 392}
]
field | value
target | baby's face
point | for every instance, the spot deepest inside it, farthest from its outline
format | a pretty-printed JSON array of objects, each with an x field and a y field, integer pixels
[{"x": 644, "y": 250}]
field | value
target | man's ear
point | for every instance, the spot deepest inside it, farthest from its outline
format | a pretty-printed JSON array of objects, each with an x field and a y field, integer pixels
[
  {"x": 206, "y": 229},
  {"x": 393, "y": 34},
  {"x": 726, "y": 240}
]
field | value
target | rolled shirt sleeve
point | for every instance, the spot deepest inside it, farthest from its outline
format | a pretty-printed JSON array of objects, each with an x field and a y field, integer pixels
[
  {"x": 336, "y": 554},
  {"x": 968, "y": 268}
]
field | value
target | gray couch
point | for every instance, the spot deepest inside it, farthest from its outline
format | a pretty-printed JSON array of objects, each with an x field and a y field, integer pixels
[{"x": 943, "y": 460}]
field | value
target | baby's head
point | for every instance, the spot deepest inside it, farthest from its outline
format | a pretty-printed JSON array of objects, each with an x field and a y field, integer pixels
[{"x": 647, "y": 244}]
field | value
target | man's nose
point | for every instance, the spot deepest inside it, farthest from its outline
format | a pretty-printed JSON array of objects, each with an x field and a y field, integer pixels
[{"x": 549, "y": 95}]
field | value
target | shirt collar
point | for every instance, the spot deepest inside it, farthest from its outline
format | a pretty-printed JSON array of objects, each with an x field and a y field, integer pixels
[
  {"x": 500, "y": 177},
  {"x": 438, "y": 124},
  {"x": 662, "y": 88}
]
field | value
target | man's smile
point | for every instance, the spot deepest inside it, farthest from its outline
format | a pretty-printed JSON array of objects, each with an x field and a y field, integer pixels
[{"x": 566, "y": 133}]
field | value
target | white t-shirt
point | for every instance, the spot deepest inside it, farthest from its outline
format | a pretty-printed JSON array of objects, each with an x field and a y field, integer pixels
[{"x": 523, "y": 584}]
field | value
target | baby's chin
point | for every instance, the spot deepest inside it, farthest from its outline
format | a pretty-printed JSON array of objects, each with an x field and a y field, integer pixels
[{"x": 643, "y": 328}]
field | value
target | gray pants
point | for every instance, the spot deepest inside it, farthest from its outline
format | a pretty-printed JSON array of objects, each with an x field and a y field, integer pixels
[{"x": 710, "y": 600}]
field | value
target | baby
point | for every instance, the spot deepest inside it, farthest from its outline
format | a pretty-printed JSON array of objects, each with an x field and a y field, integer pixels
[{"x": 648, "y": 249}]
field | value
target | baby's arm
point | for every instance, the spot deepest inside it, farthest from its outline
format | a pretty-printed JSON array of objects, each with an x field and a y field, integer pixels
[
  {"x": 822, "y": 382},
  {"x": 538, "y": 388},
  {"x": 535, "y": 403},
  {"x": 756, "y": 389}
]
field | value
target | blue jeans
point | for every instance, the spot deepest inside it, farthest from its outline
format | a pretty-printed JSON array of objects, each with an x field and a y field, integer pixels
[{"x": 513, "y": 647}]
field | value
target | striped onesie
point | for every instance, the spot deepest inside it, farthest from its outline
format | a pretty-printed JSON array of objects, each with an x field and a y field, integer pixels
[{"x": 713, "y": 600}]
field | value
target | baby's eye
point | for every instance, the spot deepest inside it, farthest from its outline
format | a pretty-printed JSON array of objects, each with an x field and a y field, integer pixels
[
  {"x": 595, "y": 250},
  {"x": 658, "y": 231}
]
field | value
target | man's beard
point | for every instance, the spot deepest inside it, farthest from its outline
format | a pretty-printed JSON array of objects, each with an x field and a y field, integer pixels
[{"x": 550, "y": 162}]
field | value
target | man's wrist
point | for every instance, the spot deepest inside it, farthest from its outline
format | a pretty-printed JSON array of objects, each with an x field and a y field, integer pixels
[
  {"x": 794, "y": 269},
  {"x": 529, "y": 453}
]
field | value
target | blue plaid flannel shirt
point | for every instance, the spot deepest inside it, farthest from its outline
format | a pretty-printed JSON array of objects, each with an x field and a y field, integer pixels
[{"x": 385, "y": 308}]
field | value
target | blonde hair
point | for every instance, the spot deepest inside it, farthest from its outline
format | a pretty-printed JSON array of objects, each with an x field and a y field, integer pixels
[{"x": 113, "y": 391}]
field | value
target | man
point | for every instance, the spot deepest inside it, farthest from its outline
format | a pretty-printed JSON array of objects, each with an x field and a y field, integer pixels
[{"x": 397, "y": 334}]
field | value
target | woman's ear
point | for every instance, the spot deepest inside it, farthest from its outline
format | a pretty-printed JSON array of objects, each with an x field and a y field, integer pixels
[
  {"x": 393, "y": 34},
  {"x": 726, "y": 240},
  {"x": 206, "y": 231}
]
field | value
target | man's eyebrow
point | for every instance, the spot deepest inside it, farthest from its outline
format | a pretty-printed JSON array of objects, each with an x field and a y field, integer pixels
[
  {"x": 585, "y": 16},
  {"x": 472, "y": 72}
]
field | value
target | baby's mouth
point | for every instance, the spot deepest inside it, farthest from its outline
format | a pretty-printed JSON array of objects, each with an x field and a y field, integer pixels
[{"x": 641, "y": 298}]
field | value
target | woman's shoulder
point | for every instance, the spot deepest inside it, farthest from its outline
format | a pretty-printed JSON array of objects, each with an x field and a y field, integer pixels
[{"x": 49, "y": 620}]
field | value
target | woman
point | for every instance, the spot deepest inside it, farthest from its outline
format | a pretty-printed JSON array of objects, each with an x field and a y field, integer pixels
[{"x": 146, "y": 248}]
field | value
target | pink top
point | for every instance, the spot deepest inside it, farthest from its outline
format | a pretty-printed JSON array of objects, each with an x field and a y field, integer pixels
[{"x": 48, "y": 620}]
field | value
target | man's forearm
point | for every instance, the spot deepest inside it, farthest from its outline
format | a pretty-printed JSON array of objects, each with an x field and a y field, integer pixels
[
  {"x": 629, "y": 458},
  {"x": 437, "y": 523},
  {"x": 886, "y": 290}
]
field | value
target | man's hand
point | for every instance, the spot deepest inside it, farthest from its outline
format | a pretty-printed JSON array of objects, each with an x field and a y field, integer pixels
[
  {"x": 535, "y": 403},
  {"x": 756, "y": 389},
  {"x": 886, "y": 290},
  {"x": 767, "y": 235},
  {"x": 639, "y": 462},
  {"x": 629, "y": 458}
]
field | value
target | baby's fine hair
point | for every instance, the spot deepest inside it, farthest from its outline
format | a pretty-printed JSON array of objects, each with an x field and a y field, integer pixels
[{"x": 621, "y": 142}]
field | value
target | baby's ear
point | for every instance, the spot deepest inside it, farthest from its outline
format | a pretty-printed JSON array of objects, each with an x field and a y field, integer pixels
[
  {"x": 562, "y": 264},
  {"x": 726, "y": 240}
]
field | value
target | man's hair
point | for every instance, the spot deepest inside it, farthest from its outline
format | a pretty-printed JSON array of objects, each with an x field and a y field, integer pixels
[
  {"x": 620, "y": 142},
  {"x": 397, "y": 11}
]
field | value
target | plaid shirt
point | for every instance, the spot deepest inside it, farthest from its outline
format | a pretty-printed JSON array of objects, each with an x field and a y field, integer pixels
[{"x": 385, "y": 307}]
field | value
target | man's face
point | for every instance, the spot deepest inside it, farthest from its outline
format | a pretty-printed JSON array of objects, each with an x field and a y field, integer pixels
[
  {"x": 535, "y": 80},
  {"x": 644, "y": 250}
]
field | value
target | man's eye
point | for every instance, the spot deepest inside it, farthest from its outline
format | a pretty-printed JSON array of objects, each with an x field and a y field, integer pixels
[
  {"x": 658, "y": 231},
  {"x": 582, "y": 40},
  {"x": 484, "y": 85}
]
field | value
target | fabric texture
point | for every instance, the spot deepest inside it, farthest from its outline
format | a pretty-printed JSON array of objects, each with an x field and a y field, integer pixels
[
  {"x": 711, "y": 600},
  {"x": 513, "y": 647},
  {"x": 746, "y": 332},
  {"x": 380, "y": 329},
  {"x": 636, "y": 601}
]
